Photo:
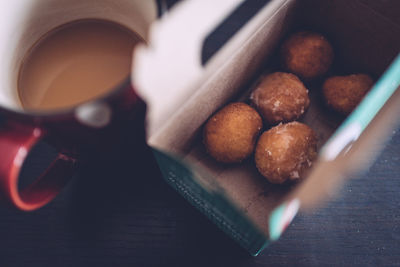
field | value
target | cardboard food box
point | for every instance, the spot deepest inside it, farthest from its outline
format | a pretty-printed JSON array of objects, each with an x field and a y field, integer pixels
[{"x": 184, "y": 78}]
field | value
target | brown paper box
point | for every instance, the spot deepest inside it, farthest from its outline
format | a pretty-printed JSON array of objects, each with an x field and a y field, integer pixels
[{"x": 182, "y": 94}]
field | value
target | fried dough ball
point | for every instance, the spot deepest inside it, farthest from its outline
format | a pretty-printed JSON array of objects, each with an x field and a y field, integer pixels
[
  {"x": 280, "y": 97},
  {"x": 230, "y": 134},
  {"x": 344, "y": 93},
  {"x": 307, "y": 54},
  {"x": 285, "y": 151}
]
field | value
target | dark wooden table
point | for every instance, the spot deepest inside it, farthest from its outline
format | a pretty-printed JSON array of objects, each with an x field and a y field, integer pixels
[{"x": 126, "y": 215}]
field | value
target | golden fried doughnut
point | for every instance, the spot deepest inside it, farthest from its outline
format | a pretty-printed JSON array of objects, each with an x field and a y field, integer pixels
[
  {"x": 307, "y": 54},
  {"x": 285, "y": 151},
  {"x": 280, "y": 97},
  {"x": 344, "y": 93},
  {"x": 230, "y": 134}
]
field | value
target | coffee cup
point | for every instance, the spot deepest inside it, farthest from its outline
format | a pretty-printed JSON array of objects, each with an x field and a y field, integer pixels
[{"x": 78, "y": 132}]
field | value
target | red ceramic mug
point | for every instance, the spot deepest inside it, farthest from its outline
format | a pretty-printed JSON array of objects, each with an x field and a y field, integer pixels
[{"x": 91, "y": 128}]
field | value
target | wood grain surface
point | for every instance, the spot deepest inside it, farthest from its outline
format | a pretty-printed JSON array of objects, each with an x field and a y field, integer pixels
[{"x": 126, "y": 215}]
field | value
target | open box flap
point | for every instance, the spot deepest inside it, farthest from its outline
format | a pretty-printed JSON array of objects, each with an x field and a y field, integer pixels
[
  {"x": 166, "y": 69},
  {"x": 169, "y": 73}
]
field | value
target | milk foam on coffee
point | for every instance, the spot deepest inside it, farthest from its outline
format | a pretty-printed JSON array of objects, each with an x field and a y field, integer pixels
[{"x": 75, "y": 63}]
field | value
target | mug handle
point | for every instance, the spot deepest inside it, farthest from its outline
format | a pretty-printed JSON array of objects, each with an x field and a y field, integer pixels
[{"x": 16, "y": 141}]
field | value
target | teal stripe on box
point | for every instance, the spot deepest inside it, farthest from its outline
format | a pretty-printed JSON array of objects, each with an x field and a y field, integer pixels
[{"x": 274, "y": 222}]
